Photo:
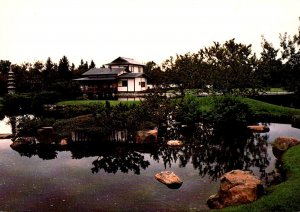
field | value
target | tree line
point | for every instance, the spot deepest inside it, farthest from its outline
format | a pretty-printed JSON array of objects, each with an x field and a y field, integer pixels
[
  {"x": 228, "y": 68},
  {"x": 232, "y": 68}
]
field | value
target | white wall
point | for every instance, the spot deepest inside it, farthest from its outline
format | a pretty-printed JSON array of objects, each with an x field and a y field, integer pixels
[{"x": 133, "y": 85}]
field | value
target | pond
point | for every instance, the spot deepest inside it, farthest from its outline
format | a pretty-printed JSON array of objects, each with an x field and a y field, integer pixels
[{"x": 121, "y": 176}]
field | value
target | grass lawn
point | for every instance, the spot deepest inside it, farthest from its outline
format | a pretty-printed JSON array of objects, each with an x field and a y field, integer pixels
[
  {"x": 257, "y": 107},
  {"x": 94, "y": 102},
  {"x": 282, "y": 197}
]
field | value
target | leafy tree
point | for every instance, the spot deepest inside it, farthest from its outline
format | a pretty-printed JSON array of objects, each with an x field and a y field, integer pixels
[
  {"x": 290, "y": 56},
  {"x": 270, "y": 68},
  {"x": 155, "y": 74},
  {"x": 233, "y": 68}
]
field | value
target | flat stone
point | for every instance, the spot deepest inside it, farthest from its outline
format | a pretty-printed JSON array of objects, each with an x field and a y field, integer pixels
[
  {"x": 169, "y": 179},
  {"x": 259, "y": 128},
  {"x": 174, "y": 143}
]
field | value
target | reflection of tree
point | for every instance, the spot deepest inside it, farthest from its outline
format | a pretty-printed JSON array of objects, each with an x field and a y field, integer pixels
[
  {"x": 114, "y": 157},
  {"x": 45, "y": 152},
  {"x": 211, "y": 152},
  {"x": 129, "y": 161},
  {"x": 214, "y": 153}
]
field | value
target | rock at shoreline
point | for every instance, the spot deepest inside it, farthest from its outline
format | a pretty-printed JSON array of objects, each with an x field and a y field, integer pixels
[
  {"x": 259, "y": 128},
  {"x": 169, "y": 179},
  {"x": 237, "y": 187},
  {"x": 174, "y": 143},
  {"x": 146, "y": 136},
  {"x": 20, "y": 142},
  {"x": 281, "y": 144},
  {"x": 6, "y": 136}
]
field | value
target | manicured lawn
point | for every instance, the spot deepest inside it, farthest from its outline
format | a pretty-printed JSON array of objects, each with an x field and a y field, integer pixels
[
  {"x": 258, "y": 107},
  {"x": 94, "y": 102},
  {"x": 282, "y": 197}
]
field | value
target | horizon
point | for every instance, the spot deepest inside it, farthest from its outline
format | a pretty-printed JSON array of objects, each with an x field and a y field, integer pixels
[{"x": 143, "y": 30}]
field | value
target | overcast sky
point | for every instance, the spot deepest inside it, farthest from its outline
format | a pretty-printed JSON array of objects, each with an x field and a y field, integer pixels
[{"x": 145, "y": 30}]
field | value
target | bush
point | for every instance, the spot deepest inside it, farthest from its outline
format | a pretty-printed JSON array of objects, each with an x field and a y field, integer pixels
[{"x": 230, "y": 113}]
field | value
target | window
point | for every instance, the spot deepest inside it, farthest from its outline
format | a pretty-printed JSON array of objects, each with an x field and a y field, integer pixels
[
  {"x": 142, "y": 84},
  {"x": 124, "y": 83}
]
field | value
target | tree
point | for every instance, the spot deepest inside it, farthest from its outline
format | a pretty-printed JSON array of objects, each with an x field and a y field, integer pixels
[
  {"x": 270, "y": 68},
  {"x": 92, "y": 65},
  {"x": 184, "y": 72},
  {"x": 64, "y": 69},
  {"x": 155, "y": 74},
  {"x": 233, "y": 68},
  {"x": 4, "y": 69},
  {"x": 290, "y": 55}
]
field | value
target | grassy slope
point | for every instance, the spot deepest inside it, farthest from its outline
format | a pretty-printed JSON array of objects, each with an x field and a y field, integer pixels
[
  {"x": 258, "y": 107},
  {"x": 93, "y": 102},
  {"x": 282, "y": 197}
]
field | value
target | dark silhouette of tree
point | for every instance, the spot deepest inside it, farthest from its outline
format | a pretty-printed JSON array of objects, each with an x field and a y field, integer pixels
[
  {"x": 270, "y": 69},
  {"x": 233, "y": 68},
  {"x": 92, "y": 65},
  {"x": 4, "y": 69},
  {"x": 64, "y": 69}
]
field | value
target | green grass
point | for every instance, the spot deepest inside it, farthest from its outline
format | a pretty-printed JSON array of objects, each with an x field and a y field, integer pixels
[
  {"x": 282, "y": 197},
  {"x": 277, "y": 90},
  {"x": 259, "y": 108},
  {"x": 94, "y": 102}
]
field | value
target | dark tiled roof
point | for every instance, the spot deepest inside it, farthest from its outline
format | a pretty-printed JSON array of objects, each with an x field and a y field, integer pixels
[
  {"x": 125, "y": 61},
  {"x": 102, "y": 71},
  {"x": 131, "y": 75},
  {"x": 96, "y": 79}
]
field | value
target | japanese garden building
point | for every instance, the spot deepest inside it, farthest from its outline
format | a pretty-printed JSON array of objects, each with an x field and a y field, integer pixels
[{"x": 123, "y": 75}]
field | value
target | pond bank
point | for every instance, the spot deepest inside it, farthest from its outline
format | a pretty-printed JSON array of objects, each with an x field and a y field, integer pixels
[{"x": 284, "y": 196}]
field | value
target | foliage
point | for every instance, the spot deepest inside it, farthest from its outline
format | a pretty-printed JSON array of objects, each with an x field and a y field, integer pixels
[
  {"x": 229, "y": 114},
  {"x": 188, "y": 110},
  {"x": 19, "y": 103}
]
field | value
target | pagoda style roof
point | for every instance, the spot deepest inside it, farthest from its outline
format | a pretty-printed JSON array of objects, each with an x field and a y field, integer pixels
[
  {"x": 125, "y": 61},
  {"x": 103, "y": 71},
  {"x": 131, "y": 75}
]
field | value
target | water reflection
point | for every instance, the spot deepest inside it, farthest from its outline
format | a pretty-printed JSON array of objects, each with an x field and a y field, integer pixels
[{"x": 210, "y": 152}]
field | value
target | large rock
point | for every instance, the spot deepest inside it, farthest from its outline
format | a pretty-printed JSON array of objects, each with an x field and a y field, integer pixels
[
  {"x": 281, "y": 144},
  {"x": 174, "y": 143},
  {"x": 169, "y": 179},
  {"x": 259, "y": 128},
  {"x": 237, "y": 187},
  {"x": 146, "y": 136}
]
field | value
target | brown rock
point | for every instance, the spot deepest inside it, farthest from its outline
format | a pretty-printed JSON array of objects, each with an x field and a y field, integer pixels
[
  {"x": 20, "y": 142},
  {"x": 146, "y": 136},
  {"x": 6, "y": 136},
  {"x": 281, "y": 144},
  {"x": 169, "y": 179},
  {"x": 63, "y": 142},
  {"x": 174, "y": 143},
  {"x": 259, "y": 128},
  {"x": 237, "y": 187}
]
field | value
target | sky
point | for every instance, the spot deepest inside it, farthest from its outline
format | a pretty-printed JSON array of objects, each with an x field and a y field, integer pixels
[{"x": 145, "y": 30}]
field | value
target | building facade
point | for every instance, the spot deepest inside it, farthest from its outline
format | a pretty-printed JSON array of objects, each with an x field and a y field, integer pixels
[{"x": 123, "y": 75}]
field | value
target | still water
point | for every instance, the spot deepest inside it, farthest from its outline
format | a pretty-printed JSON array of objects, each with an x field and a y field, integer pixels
[{"x": 121, "y": 177}]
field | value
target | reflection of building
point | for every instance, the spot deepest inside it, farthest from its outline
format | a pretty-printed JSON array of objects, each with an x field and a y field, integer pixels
[
  {"x": 11, "y": 82},
  {"x": 123, "y": 75}
]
